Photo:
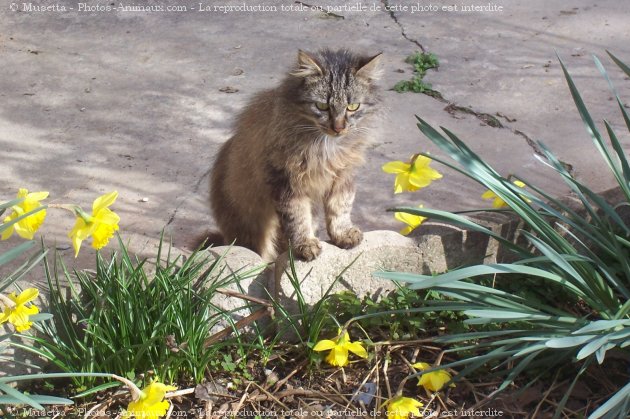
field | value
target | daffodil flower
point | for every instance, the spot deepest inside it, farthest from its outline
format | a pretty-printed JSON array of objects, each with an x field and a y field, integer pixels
[
  {"x": 401, "y": 407},
  {"x": 26, "y": 227},
  {"x": 150, "y": 404},
  {"x": 339, "y": 347},
  {"x": 412, "y": 176},
  {"x": 498, "y": 202},
  {"x": 16, "y": 311},
  {"x": 101, "y": 225},
  {"x": 411, "y": 220},
  {"x": 434, "y": 380}
]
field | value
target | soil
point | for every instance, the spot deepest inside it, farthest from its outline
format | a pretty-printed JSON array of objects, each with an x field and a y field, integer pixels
[{"x": 290, "y": 385}]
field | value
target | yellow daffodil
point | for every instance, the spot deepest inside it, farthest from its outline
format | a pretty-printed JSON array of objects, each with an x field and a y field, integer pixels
[
  {"x": 434, "y": 380},
  {"x": 411, "y": 220},
  {"x": 26, "y": 227},
  {"x": 101, "y": 225},
  {"x": 339, "y": 347},
  {"x": 151, "y": 403},
  {"x": 402, "y": 407},
  {"x": 17, "y": 312},
  {"x": 412, "y": 176},
  {"x": 498, "y": 202}
]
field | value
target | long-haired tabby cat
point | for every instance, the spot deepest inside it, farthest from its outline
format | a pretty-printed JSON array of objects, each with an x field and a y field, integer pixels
[{"x": 294, "y": 146}]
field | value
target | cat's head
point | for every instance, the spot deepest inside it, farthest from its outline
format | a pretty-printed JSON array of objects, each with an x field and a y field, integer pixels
[{"x": 337, "y": 89}]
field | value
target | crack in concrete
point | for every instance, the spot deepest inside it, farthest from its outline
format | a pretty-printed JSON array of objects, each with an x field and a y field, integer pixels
[
  {"x": 198, "y": 184},
  {"x": 174, "y": 214},
  {"x": 492, "y": 121},
  {"x": 486, "y": 118},
  {"x": 194, "y": 192},
  {"x": 538, "y": 151},
  {"x": 400, "y": 25},
  {"x": 530, "y": 142},
  {"x": 452, "y": 108}
]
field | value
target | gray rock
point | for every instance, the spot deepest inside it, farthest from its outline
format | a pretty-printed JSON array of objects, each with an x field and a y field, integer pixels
[
  {"x": 242, "y": 280},
  {"x": 380, "y": 250},
  {"x": 432, "y": 248}
]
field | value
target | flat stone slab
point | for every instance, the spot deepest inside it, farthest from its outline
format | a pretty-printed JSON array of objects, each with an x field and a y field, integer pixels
[
  {"x": 432, "y": 248},
  {"x": 379, "y": 250}
]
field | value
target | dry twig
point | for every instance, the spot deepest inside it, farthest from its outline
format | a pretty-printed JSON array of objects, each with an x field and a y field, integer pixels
[
  {"x": 291, "y": 374},
  {"x": 257, "y": 315}
]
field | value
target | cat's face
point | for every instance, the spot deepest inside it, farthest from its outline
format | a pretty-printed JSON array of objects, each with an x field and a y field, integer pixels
[{"x": 338, "y": 90}]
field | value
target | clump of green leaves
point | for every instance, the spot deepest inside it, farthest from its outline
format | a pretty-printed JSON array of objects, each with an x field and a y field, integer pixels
[
  {"x": 392, "y": 314},
  {"x": 421, "y": 62},
  {"x": 128, "y": 318},
  {"x": 583, "y": 256}
]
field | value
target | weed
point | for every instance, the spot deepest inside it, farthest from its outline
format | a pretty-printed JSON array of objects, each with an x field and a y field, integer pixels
[
  {"x": 401, "y": 322},
  {"x": 421, "y": 62}
]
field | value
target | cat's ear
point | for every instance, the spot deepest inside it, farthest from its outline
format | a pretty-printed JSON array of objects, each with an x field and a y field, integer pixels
[
  {"x": 307, "y": 66},
  {"x": 371, "y": 68}
]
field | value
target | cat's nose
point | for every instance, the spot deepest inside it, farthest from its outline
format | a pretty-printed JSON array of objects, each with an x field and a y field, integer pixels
[{"x": 339, "y": 127}]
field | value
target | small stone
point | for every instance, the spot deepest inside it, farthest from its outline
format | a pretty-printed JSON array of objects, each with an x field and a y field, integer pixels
[
  {"x": 272, "y": 377},
  {"x": 228, "y": 89},
  {"x": 144, "y": 199},
  {"x": 210, "y": 391}
]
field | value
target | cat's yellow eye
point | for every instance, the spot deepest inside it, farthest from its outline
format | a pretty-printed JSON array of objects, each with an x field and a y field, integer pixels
[
  {"x": 353, "y": 107},
  {"x": 322, "y": 106}
]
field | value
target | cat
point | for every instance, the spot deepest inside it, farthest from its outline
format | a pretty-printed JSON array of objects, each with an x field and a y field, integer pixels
[{"x": 295, "y": 146}]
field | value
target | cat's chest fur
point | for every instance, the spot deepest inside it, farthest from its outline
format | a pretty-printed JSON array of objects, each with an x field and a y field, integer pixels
[{"x": 323, "y": 160}]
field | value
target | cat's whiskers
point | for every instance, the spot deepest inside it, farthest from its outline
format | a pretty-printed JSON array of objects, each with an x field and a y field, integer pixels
[
  {"x": 362, "y": 130},
  {"x": 304, "y": 129}
]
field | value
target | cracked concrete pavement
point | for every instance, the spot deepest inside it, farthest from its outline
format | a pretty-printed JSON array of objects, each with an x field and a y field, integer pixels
[{"x": 140, "y": 102}]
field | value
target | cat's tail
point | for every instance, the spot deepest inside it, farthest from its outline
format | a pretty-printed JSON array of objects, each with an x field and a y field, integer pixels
[{"x": 208, "y": 239}]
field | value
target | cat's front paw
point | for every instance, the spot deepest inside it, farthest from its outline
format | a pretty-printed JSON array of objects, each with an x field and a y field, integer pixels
[
  {"x": 348, "y": 239},
  {"x": 308, "y": 250}
]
